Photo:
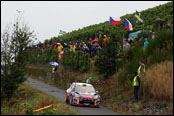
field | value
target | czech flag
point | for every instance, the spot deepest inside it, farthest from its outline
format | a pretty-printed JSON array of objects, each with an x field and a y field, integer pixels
[
  {"x": 114, "y": 21},
  {"x": 127, "y": 25}
]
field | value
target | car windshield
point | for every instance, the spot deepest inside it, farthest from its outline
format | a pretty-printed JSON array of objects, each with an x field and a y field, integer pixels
[{"x": 84, "y": 89}]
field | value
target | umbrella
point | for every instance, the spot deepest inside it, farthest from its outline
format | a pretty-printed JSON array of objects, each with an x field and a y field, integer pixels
[
  {"x": 54, "y": 64},
  {"x": 94, "y": 41},
  {"x": 159, "y": 21}
]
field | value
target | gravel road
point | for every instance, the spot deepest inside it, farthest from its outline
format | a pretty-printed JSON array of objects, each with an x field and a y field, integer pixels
[{"x": 60, "y": 94}]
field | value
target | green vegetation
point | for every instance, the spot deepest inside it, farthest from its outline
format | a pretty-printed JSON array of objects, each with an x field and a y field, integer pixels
[
  {"x": 15, "y": 40},
  {"x": 76, "y": 60},
  {"x": 117, "y": 66},
  {"x": 27, "y": 99}
]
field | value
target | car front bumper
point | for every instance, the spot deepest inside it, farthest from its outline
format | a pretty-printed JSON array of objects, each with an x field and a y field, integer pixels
[{"x": 86, "y": 102}]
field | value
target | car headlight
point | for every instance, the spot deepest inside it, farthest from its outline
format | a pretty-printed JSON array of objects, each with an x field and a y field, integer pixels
[
  {"x": 97, "y": 97},
  {"x": 76, "y": 95}
]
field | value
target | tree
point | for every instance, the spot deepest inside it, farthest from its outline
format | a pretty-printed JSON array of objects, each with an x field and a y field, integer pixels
[
  {"x": 106, "y": 61},
  {"x": 15, "y": 40}
]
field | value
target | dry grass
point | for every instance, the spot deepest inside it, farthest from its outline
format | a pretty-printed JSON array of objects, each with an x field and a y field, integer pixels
[
  {"x": 43, "y": 103},
  {"x": 158, "y": 81}
]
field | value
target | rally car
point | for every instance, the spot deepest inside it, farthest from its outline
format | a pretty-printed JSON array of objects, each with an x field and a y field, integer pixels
[{"x": 82, "y": 94}]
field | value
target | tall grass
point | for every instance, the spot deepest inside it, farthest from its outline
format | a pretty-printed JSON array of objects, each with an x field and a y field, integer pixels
[
  {"x": 22, "y": 104},
  {"x": 158, "y": 81}
]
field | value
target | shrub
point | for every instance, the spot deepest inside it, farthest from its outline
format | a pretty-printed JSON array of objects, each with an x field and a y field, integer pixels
[{"x": 158, "y": 81}]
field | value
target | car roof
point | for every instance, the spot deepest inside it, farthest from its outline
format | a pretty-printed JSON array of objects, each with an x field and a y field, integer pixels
[{"x": 79, "y": 83}]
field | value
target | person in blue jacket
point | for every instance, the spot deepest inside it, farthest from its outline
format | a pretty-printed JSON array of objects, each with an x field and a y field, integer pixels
[{"x": 145, "y": 42}]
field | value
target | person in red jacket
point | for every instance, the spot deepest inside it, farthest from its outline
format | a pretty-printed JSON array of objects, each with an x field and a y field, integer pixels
[
  {"x": 55, "y": 45},
  {"x": 48, "y": 45},
  {"x": 61, "y": 54}
]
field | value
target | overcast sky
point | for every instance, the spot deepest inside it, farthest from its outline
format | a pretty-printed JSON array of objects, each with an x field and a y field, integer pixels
[{"x": 47, "y": 18}]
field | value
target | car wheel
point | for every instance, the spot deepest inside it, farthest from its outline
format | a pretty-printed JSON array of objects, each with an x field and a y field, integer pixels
[
  {"x": 66, "y": 99},
  {"x": 71, "y": 100},
  {"x": 97, "y": 106}
]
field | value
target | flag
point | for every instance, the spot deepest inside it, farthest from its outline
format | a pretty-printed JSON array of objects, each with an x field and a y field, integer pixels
[
  {"x": 114, "y": 21},
  {"x": 138, "y": 18},
  {"x": 62, "y": 32},
  {"x": 127, "y": 25}
]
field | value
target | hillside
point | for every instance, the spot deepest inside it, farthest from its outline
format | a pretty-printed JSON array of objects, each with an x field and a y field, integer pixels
[{"x": 114, "y": 67}]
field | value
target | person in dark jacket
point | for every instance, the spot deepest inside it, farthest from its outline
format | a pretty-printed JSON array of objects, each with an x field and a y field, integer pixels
[{"x": 136, "y": 85}]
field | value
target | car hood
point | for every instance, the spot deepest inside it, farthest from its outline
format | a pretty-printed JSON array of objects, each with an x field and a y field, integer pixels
[{"x": 87, "y": 95}]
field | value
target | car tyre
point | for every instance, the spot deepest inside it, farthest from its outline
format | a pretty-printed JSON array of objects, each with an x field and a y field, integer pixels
[
  {"x": 71, "y": 100},
  {"x": 66, "y": 99},
  {"x": 97, "y": 106}
]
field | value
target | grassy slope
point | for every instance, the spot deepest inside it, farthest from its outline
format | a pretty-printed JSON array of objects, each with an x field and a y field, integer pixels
[{"x": 34, "y": 99}]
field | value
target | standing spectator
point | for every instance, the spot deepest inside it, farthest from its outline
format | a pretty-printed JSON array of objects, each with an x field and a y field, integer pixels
[
  {"x": 85, "y": 48},
  {"x": 89, "y": 44},
  {"x": 168, "y": 27},
  {"x": 99, "y": 36},
  {"x": 141, "y": 68},
  {"x": 70, "y": 46},
  {"x": 98, "y": 48},
  {"x": 77, "y": 46},
  {"x": 129, "y": 41},
  {"x": 136, "y": 85},
  {"x": 61, "y": 54},
  {"x": 48, "y": 45},
  {"x": 150, "y": 34},
  {"x": 74, "y": 47},
  {"x": 96, "y": 38},
  {"x": 145, "y": 42},
  {"x": 35, "y": 47},
  {"x": 59, "y": 47},
  {"x": 55, "y": 45}
]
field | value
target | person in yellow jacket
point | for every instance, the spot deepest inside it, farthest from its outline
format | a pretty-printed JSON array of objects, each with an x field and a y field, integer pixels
[
  {"x": 136, "y": 85},
  {"x": 59, "y": 47},
  {"x": 141, "y": 68},
  {"x": 105, "y": 37},
  {"x": 74, "y": 47}
]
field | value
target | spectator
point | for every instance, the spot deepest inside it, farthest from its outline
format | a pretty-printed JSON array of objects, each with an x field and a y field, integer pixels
[
  {"x": 35, "y": 47},
  {"x": 85, "y": 48},
  {"x": 55, "y": 45},
  {"x": 168, "y": 27},
  {"x": 70, "y": 46},
  {"x": 136, "y": 85},
  {"x": 141, "y": 68},
  {"x": 60, "y": 47},
  {"x": 98, "y": 48},
  {"x": 107, "y": 40},
  {"x": 145, "y": 42},
  {"x": 129, "y": 41},
  {"x": 61, "y": 54},
  {"x": 99, "y": 36},
  {"x": 150, "y": 34},
  {"x": 88, "y": 80},
  {"x": 89, "y": 44},
  {"x": 74, "y": 47},
  {"x": 77, "y": 46},
  {"x": 96, "y": 38},
  {"x": 62, "y": 43},
  {"x": 48, "y": 45}
]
